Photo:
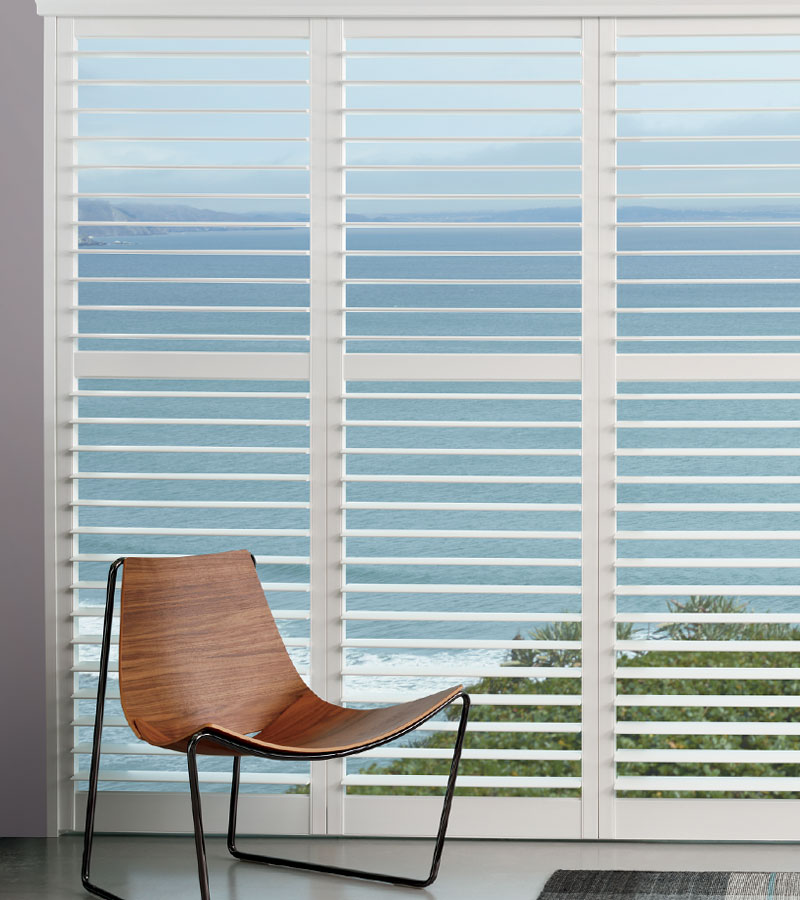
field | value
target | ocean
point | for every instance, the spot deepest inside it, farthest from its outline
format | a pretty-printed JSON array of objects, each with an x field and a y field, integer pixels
[{"x": 556, "y": 330}]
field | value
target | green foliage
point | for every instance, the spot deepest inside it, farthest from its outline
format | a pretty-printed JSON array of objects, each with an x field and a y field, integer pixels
[
  {"x": 741, "y": 686},
  {"x": 552, "y": 631},
  {"x": 721, "y": 631},
  {"x": 651, "y": 658}
]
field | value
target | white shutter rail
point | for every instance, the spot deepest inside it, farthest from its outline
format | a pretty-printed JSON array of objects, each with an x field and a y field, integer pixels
[{"x": 708, "y": 422}]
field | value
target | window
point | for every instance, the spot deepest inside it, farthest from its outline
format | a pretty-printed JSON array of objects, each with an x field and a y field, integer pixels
[{"x": 481, "y": 336}]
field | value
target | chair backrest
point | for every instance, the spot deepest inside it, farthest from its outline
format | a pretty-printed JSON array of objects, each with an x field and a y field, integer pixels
[{"x": 198, "y": 646}]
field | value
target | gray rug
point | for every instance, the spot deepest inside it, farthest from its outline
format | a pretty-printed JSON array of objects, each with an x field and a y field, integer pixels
[{"x": 569, "y": 884}]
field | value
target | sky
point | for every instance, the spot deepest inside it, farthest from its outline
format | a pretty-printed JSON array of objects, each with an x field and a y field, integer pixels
[{"x": 506, "y": 102}]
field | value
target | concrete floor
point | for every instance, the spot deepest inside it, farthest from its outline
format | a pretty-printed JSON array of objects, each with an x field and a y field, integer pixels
[{"x": 163, "y": 868}]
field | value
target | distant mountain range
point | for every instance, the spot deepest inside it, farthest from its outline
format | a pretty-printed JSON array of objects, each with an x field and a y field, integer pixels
[{"x": 104, "y": 211}]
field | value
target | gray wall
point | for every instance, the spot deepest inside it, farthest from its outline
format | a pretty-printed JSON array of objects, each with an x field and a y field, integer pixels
[{"x": 22, "y": 682}]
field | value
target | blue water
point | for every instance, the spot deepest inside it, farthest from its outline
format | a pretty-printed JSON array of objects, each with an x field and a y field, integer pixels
[{"x": 446, "y": 329}]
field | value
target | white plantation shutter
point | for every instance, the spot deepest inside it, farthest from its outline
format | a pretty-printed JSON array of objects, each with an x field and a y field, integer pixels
[
  {"x": 204, "y": 407},
  {"x": 186, "y": 235},
  {"x": 481, "y": 334},
  {"x": 462, "y": 487},
  {"x": 707, "y": 425}
]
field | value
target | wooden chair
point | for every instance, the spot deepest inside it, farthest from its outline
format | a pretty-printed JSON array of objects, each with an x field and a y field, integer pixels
[{"x": 202, "y": 666}]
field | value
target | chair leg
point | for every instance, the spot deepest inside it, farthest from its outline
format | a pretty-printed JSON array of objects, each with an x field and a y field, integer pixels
[
  {"x": 88, "y": 834},
  {"x": 357, "y": 873},
  {"x": 448, "y": 796},
  {"x": 234, "y": 807},
  {"x": 197, "y": 818},
  {"x": 94, "y": 771}
]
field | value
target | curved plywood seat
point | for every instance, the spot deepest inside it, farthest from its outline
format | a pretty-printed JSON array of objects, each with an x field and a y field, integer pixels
[
  {"x": 200, "y": 651},
  {"x": 310, "y": 727}
]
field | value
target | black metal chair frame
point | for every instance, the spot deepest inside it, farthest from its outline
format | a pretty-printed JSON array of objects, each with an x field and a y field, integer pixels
[{"x": 197, "y": 817}]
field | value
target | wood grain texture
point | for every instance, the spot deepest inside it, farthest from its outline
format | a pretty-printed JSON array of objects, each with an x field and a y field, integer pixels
[{"x": 199, "y": 649}]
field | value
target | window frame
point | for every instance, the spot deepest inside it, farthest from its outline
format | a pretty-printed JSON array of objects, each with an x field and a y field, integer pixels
[{"x": 600, "y": 816}]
